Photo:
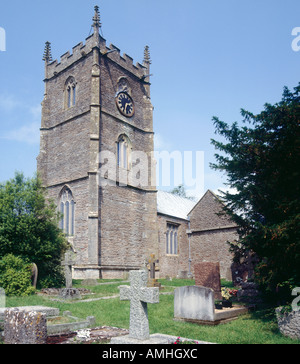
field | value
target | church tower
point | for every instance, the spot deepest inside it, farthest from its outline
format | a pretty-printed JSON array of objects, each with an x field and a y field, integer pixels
[{"x": 96, "y": 157}]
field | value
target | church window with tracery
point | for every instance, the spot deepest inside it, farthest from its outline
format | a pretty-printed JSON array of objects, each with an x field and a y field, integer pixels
[
  {"x": 70, "y": 92},
  {"x": 67, "y": 210},
  {"x": 172, "y": 239}
]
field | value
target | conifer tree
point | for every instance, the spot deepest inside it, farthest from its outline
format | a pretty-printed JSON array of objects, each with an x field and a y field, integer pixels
[{"x": 262, "y": 161}]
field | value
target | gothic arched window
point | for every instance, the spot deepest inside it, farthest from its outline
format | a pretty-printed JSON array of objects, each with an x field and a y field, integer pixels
[
  {"x": 172, "y": 239},
  {"x": 124, "y": 152},
  {"x": 70, "y": 93},
  {"x": 67, "y": 210}
]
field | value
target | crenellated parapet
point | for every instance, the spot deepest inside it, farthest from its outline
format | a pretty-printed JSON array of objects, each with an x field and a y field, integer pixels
[
  {"x": 67, "y": 59},
  {"x": 82, "y": 50},
  {"x": 94, "y": 41},
  {"x": 124, "y": 60}
]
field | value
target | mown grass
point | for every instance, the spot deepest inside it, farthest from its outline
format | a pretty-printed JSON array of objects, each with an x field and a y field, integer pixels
[{"x": 259, "y": 327}]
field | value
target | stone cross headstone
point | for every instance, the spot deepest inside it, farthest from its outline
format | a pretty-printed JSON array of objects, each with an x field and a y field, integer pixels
[
  {"x": 68, "y": 263},
  {"x": 152, "y": 281},
  {"x": 152, "y": 262},
  {"x": 139, "y": 295},
  {"x": 69, "y": 292}
]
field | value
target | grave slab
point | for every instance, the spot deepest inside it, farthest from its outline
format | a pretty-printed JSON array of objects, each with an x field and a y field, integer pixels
[
  {"x": 24, "y": 327},
  {"x": 49, "y": 311},
  {"x": 63, "y": 328},
  {"x": 153, "y": 339}
]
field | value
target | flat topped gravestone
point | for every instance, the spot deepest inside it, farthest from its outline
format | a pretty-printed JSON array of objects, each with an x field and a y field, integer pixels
[
  {"x": 196, "y": 304},
  {"x": 207, "y": 274}
]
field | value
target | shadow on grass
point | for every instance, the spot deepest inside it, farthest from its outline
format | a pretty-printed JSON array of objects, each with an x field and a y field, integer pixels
[{"x": 267, "y": 316}]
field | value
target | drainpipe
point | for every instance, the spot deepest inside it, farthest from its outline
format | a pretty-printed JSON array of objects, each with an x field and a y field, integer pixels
[{"x": 189, "y": 237}]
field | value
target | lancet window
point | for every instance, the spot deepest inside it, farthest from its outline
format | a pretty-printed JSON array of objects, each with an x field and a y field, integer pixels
[
  {"x": 67, "y": 210},
  {"x": 123, "y": 152},
  {"x": 70, "y": 93},
  {"x": 172, "y": 239}
]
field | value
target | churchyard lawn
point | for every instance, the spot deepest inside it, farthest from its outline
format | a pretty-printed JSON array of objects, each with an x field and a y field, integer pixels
[{"x": 258, "y": 327}]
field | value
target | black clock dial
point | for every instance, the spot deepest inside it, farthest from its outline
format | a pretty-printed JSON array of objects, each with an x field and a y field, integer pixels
[{"x": 125, "y": 104}]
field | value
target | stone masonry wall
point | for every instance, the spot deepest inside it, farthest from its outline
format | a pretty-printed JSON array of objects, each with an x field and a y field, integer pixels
[
  {"x": 128, "y": 229},
  {"x": 128, "y": 217},
  {"x": 116, "y": 229},
  {"x": 211, "y": 246},
  {"x": 170, "y": 264},
  {"x": 80, "y": 194},
  {"x": 64, "y": 158},
  {"x": 206, "y": 214}
]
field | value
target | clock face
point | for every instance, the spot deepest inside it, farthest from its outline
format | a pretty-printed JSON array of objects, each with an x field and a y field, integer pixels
[{"x": 125, "y": 104}]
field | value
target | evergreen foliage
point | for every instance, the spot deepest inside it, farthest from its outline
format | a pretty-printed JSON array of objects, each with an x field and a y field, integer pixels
[
  {"x": 15, "y": 276},
  {"x": 29, "y": 228},
  {"x": 262, "y": 161}
]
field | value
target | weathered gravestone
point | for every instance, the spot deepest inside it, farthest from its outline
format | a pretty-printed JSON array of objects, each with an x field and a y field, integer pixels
[
  {"x": 68, "y": 262},
  {"x": 34, "y": 274},
  {"x": 48, "y": 311},
  {"x": 194, "y": 303},
  {"x": 139, "y": 295},
  {"x": 243, "y": 270},
  {"x": 153, "y": 281},
  {"x": 207, "y": 274},
  {"x": 288, "y": 323},
  {"x": 197, "y": 304},
  {"x": 2, "y": 298},
  {"x": 69, "y": 292},
  {"x": 24, "y": 327}
]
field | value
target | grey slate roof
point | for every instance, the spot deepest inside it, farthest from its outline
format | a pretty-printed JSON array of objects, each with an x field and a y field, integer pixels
[{"x": 173, "y": 205}]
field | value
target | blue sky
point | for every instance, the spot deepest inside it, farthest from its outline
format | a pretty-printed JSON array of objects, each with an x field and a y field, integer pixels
[{"x": 209, "y": 58}]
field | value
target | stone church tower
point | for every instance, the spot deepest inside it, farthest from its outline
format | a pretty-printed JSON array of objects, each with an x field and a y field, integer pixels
[{"x": 96, "y": 129}]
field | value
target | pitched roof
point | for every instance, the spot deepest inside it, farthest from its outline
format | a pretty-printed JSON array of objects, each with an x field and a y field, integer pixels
[
  {"x": 174, "y": 205},
  {"x": 205, "y": 215}
]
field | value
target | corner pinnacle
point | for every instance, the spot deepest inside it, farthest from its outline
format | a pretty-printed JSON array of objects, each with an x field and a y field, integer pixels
[
  {"x": 96, "y": 20},
  {"x": 47, "y": 57},
  {"x": 147, "y": 59}
]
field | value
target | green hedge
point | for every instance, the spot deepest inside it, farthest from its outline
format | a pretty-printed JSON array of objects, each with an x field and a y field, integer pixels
[{"x": 15, "y": 276}]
